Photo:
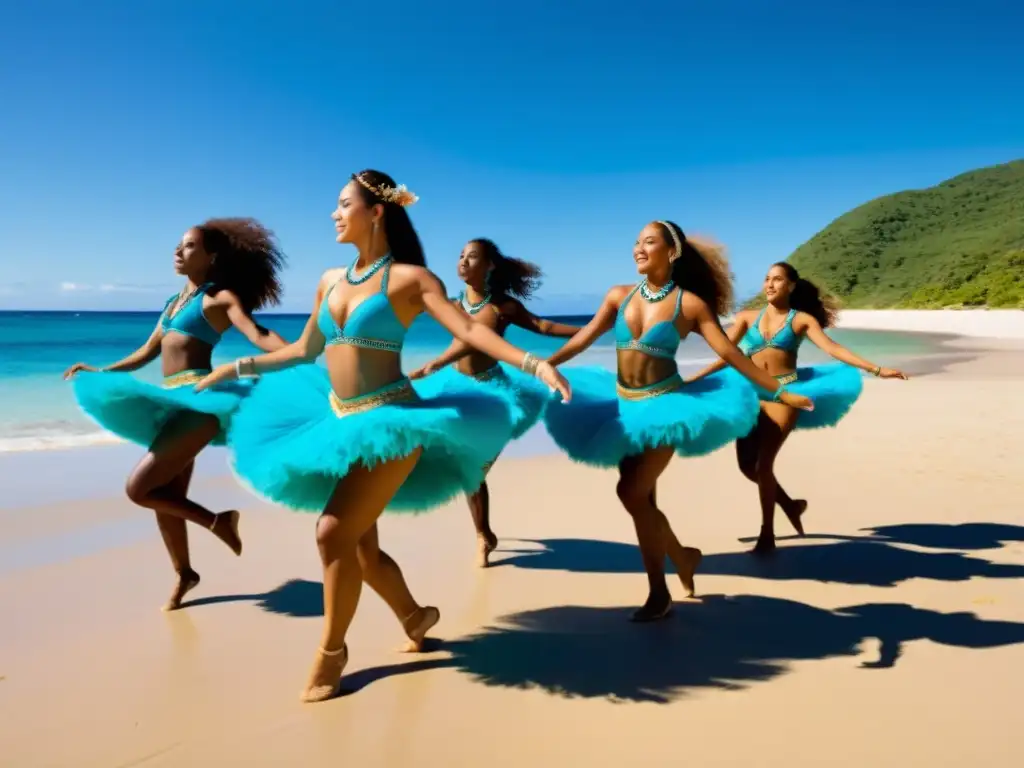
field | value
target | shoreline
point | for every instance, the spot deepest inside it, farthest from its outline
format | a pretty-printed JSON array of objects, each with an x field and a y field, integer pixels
[{"x": 1002, "y": 324}]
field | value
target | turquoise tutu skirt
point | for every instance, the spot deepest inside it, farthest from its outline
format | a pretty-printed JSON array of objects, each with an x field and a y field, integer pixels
[
  {"x": 834, "y": 388},
  {"x": 138, "y": 411},
  {"x": 524, "y": 395},
  {"x": 293, "y": 439},
  {"x": 601, "y": 425}
]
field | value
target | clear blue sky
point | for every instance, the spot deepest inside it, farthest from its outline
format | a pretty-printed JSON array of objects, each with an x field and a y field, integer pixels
[{"x": 556, "y": 128}]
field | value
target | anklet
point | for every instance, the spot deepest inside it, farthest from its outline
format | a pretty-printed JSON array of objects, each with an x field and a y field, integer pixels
[{"x": 341, "y": 650}]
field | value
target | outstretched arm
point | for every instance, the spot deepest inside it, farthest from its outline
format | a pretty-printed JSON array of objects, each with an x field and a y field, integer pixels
[
  {"x": 258, "y": 336},
  {"x": 524, "y": 318},
  {"x": 305, "y": 349},
  {"x": 826, "y": 344},
  {"x": 599, "y": 324},
  {"x": 734, "y": 334},
  {"x": 479, "y": 336},
  {"x": 141, "y": 357},
  {"x": 709, "y": 327}
]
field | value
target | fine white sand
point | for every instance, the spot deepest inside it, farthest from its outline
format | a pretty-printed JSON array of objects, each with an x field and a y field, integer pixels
[
  {"x": 973, "y": 323},
  {"x": 893, "y": 635}
]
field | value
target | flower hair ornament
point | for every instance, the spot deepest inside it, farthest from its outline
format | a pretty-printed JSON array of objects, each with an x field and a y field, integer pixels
[
  {"x": 677, "y": 238},
  {"x": 399, "y": 195}
]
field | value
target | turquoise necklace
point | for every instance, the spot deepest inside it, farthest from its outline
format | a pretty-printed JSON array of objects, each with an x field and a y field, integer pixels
[
  {"x": 651, "y": 296},
  {"x": 370, "y": 271},
  {"x": 474, "y": 308}
]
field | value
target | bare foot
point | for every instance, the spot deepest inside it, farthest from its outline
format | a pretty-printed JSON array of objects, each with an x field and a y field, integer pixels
[
  {"x": 325, "y": 679},
  {"x": 187, "y": 580},
  {"x": 225, "y": 528},
  {"x": 485, "y": 544},
  {"x": 765, "y": 545},
  {"x": 656, "y": 608},
  {"x": 686, "y": 566},
  {"x": 416, "y": 626},
  {"x": 794, "y": 515}
]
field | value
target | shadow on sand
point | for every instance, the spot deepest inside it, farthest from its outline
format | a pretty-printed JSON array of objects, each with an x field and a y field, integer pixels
[
  {"x": 719, "y": 642},
  {"x": 869, "y": 561},
  {"x": 297, "y": 598}
]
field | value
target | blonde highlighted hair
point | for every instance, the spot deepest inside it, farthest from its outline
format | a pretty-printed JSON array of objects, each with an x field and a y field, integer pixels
[{"x": 701, "y": 268}]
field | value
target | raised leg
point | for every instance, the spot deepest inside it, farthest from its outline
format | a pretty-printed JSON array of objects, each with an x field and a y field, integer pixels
[
  {"x": 747, "y": 450},
  {"x": 152, "y": 482},
  {"x": 382, "y": 574}
]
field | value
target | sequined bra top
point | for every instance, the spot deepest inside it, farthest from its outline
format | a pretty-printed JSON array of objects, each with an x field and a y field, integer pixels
[
  {"x": 785, "y": 338},
  {"x": 371, "y": 325},
  {"x": 660, "y": 340},
  {"x": 189, "y": 320}
]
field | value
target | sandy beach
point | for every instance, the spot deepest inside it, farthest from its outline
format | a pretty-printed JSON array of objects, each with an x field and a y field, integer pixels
[{"x": 892, "y": 635}]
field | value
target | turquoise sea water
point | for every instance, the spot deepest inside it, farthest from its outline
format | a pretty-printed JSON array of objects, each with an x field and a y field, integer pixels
[{"x": 38, "y": 411}]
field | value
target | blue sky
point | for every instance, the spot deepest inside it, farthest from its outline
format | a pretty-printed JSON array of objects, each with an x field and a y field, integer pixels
[{"x": 557, "y": 129}]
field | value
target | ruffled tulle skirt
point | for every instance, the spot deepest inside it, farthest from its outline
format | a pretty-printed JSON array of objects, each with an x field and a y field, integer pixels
[
  {"x": 138, "y": 410},
  {"x": 293, "y": 439},
  {"x": 525, "y": 395},
  {"x": 834, "y": 388},
  {"x": 601, "y": 426}
]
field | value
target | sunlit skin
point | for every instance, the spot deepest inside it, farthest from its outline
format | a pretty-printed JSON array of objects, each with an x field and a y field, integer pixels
[
  {"x": 498, "y": 314},
  {"x": 757, "y": 452},
  {"x": 161, "y": 479},
  {"x": 653, "y": 255},
  {"x": 346, "y": 531}
]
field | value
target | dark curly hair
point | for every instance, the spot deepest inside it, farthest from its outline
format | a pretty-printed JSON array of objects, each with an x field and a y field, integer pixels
[
  {"x": 402, "y": 238},
  {"x": 701, "y": 269},
  {"x": 246, "y": 260},
  {"x": 807, "y": 297},
  {"x": 508, "y": 276}
]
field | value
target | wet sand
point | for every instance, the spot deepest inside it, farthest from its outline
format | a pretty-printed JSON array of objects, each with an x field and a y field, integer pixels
[{"x": 892, "y": 635}]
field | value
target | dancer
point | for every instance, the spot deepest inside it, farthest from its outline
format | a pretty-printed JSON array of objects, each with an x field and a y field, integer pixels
[
  {"x": 355, "y": 438},
  {"x": 496, "y": 285},
  {"x": 231, "y": 270},
  {"x": 771, "y": 338},
  {"x": 654, "y": 414}
]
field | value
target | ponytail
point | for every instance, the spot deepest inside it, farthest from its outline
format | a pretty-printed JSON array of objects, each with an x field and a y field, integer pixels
[{"x": 509, "y": 276}]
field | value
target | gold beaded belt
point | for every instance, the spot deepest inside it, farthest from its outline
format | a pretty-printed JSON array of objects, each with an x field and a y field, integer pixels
[
  {"x": 671, "y": 384},
  {"x": 786, "y": 378},
  {"x": 184, "y": 379},
  {"x": 490, "y": 374},
  {"x": 399, "y": 392}
]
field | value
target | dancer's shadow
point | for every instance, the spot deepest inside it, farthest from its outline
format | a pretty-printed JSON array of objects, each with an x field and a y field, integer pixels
[
  {"x": 965, "y": 536},
  {"x": 962, "y": 536},
  {"x": 719, "y": 642},
  {"x": 297, "y": 598},
  {"x": 857, "y": 561}
]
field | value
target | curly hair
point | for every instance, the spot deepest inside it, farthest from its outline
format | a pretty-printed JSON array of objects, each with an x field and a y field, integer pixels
[
  {"x": 246, "y": 260},
  {"x": 402, "y": 238},
  {"x": 807, "y": 297},
  {"x": 702, "y": 269},
  {"x": 509, "y": 276}
]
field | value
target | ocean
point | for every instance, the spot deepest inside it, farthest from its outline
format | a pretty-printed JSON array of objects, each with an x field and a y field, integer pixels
[{"x": 38, "y": 410}]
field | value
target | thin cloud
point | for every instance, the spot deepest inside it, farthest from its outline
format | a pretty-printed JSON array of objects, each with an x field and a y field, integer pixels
[{"x": 69, "y": 287}]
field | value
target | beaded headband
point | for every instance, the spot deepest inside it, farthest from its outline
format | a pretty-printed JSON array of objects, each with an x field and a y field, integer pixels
[
  {"x": 675, "y": 238},
  {"x": 398, "y": 195}
]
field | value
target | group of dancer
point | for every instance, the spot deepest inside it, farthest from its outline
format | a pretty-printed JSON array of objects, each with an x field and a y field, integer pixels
[{"x": 358, "y": 436}]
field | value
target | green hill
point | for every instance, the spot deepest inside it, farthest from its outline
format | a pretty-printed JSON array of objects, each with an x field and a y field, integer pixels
[{"x": 960, "y": 243}]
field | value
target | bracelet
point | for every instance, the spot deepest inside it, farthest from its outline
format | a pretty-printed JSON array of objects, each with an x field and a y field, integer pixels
[
  {"x": 530, "y": 363},
  {"x": 877, "y": 371},
  {"x": 238, "y": 368},
  {"x": 777, "y": 395}
]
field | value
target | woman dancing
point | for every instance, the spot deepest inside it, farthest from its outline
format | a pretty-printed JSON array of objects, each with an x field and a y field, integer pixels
[
  {"x": 771, "y": 338},
  {"x": 231, "y": 269},
  {"x": 654, "y": 414},
  {"x": 496, "y": 286},
  {"x": 355, "y": 438}
]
